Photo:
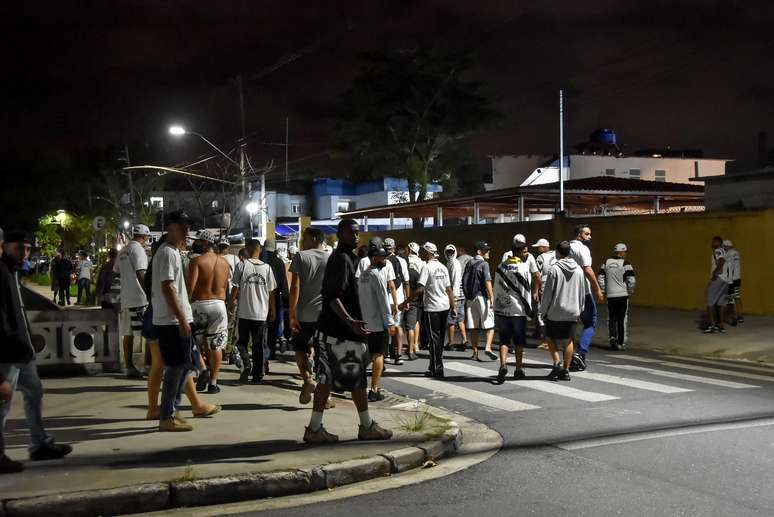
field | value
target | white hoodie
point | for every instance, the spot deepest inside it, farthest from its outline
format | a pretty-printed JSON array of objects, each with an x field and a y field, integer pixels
[
  {"x": 565, "y": 292},
  {"x": 455, "y": 274}
]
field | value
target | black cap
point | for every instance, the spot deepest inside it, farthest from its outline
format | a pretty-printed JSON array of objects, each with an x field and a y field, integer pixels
[
  {"x": 376, "y": 248},
  {"x": 17, "y": 236},
  {"x": 481, "y": 246},
  {"x": 177, "y": 217}
]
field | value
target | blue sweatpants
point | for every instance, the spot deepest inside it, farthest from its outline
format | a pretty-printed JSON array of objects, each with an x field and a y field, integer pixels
[{"x": 589, "y": 320}]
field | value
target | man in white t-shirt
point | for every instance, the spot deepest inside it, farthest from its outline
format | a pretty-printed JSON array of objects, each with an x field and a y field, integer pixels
[
  {"x": 130, "y": 266},
  {"x": 438, "y": 301},
  {"x": 172, "y": 319},
  {"x": 479, "y": 311},
  {"x": 734, "y": 278},
  {"x": 412, "y": 313},
  {"x": 546, "y": 258},
  {"x": 580, "y": 252},
  {"x": 716, "y": 294},
  {"x": 455, "y": 277},
  {"x": 254, "y": 285},
  {"x": 401, "y": 285},
  {"x": 85, "y": 267},
  {"x": 520, "y": 240}
]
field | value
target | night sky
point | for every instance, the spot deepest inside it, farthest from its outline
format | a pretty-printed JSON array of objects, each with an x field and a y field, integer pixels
[{"x": 97, "y": 74}]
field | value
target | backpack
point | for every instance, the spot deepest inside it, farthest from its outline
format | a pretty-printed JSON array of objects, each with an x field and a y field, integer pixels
[
  {"x": 472, "y": 286},
  {"x": 398, "y": 271}
]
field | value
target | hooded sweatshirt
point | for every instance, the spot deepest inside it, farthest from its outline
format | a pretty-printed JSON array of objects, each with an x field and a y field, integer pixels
[
  {"x": 565, "y": 292},
  {"x": 455, "y": 273}
]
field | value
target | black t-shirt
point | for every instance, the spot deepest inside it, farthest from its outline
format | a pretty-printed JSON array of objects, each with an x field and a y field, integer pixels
[{"x": 340, "y": 282}]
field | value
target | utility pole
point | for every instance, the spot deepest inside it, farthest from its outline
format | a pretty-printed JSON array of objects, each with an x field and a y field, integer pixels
[
  {"x": 125, "y": 158},
  {"x": 287, "y": 147},
  {"x": 244, "y": 194},
  {"x": 561, "y": 152}
]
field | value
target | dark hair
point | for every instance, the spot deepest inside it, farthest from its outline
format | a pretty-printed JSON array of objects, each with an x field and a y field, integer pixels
[
  {"x": 113, "y": 253},
  {"x": 223, "y": 245},
  {"x": 563, "y": 249},
  {"x": 315, "y": 233},
  {"x": 253, "y": 245},
  {"x": 579, "y": 228},
  {"x": 343, "y": 224},
  {"x": 717, "y": 238},
  {"x": 518, "y": 249},
  {"x": 242, "y": 252},
  {"x": 362, "y": 252}
]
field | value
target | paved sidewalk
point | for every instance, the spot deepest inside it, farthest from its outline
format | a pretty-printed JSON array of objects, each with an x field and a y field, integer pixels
[
  {"x": 259, "y": 430},
  {"x": 679, "y": 332}
]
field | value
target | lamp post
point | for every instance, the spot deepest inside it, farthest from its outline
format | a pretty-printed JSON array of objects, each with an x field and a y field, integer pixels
[{"x": 252, "y": 209}]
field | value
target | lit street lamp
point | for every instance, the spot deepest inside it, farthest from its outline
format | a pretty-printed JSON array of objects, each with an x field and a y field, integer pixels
[{"x": 252, "y": 209}]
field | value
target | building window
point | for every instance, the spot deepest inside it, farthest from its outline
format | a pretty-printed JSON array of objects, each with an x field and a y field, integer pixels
[
  {"x": 342, "y": 206},
  {"x": 295, "y": 208},
  {"x": 635, "y": 173},
  {"x": 660, "y": 175},
  {"x": 609, "y": 172},
  {"x": 157, "y": 203}
]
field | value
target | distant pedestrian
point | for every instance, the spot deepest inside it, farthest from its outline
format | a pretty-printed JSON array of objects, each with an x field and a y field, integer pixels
[
  {"x": 716, "y": 294},
  {"x": 275, "y": 333},
  {"x": 734, "y": 279},
  {"x": 342, "y": 344},
  {"x": 62, "y": 272},
  {"x": 108, "y": 290},
  {"x": 513, "y": 304},
  {"x": 254, "y": 287},
  {"x": 580, "y": 252},
  {"x": 455, "y": 277},
  {"x": 85, "y": 267},
  {"x": 546, "y": 257},
  {"x": 17, "y": 359},
  {"x": 412, "y": 312},
  {"x": 616, "y": 278},
  {"x": 561, "y": 306},
  {"x": 401, "y": 286},
  {"x": 131, "y": 265},
  {"x": 477, "y": 286}
]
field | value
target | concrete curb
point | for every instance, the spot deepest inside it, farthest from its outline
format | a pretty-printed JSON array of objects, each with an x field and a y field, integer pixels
[{"x": 230, "y": 489}]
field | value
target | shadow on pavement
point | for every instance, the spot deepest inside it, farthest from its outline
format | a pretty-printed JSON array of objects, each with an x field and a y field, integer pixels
[{"x": 77, "y": 390}]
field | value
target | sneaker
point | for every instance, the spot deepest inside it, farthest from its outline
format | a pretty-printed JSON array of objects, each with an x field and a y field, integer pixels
[
  {"x": 374, "y": 432},
  {"x": 622, "y": 346},
  {"x": 429, "y": 373},
  {"x": 330, "y": 403},
  {"x": 564, "y": 375},
  {"x": 213, "y": 389},
  {"x": 553, "y": 375},
  {"x": 257, "y": 379},
  {"x": 613, "y": 343},
  {"x": 244, "y": 377},
  {"x": 734, "y": 323},
  {"x": 462, "y": 346},
  {"x": 305, "y": 397},
  {"x": 412, "y": 357},
  {"x": 283, "y": 345},
  {"x": 133, "y": 373},
  {"x": 740, "y": 319},
  {"x": 202, "y": 381},
  {"x": 711, "y": 329},
  {"x": 375, "y": 396},
  {"x": 491, "y": 355},
  {"x": 398, "y": 361},
  {"x": 722, "y": 330},
  {"x": 319, "y": 436},
  {"x": 578, "y": 362},
  {"x": 518, "y": 374},
  {"x": 51, "y": 451},
  {"x": 9, "y": 466},
  {"x": 502, "y": 373},
  {"x": 238, "y": 361},
  {"x": 174, "y": 426},
  {"x": 178, "y": 416}
]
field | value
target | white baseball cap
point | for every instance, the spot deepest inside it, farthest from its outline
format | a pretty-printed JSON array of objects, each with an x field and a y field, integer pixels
[
  {"x": 541, "y": 242},
  {"x": 620, "y": 247},
  {"x": 728, "y": 244},
  {"x": 140, "y": 229},
  {"x": 389, "y": 242},
  {"x": 430, "y": 248},
  {"x": 413, "y": 247},
  {"x": 519, "y": 239},
  {"x": 270, "y": 245}
]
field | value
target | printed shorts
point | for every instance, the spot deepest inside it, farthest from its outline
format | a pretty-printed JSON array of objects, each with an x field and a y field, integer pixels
[
  {"x": 735, "y": 290},
  {"x": 131, "y": 320},
  {"x": 210, "y": 323},
  {"x": 341, "y": 363}
]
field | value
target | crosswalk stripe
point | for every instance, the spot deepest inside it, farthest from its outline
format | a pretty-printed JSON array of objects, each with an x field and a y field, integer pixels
[
  {"x": 706, "y": 369},
  {"x": 683, "y": 376},
  {"x": 465, "y": 393},
  {"x": 544, "y": 386},
  {"x": 741, "y": 366}
]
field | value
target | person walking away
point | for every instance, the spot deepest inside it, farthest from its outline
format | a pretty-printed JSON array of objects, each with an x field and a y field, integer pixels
[
  {"x": 734, "y": 278},
  {"x": 172, "y": 319},
  {"x": 561, "y": 306},
  {"x": 209, "y": 281},
  {"x": 281, "y": 295},
  {"x": 477, "y": 286},
  {"x": 513, "y": 304},
  {"x": 131, "y": 266},
  {"x": 17, "y": 359},
  {"x": 85, "y": 267},
  {"x": 342, "y": 342},
  {"x": 580, "y": 251},
  {"x": 62, "y": 273},
  {"x": 375, "y": 305},
  {"x": 434, "y": 286},
  {"x": 254, "y": 291},
  {"x": 108, "y": 290},
  {"x": 455, "y": 277},
  {"x": 308, "y": 271},
  {"x": 616, "y": 279},
  {"x": 545, "y": 259},
  {"x": 52, "y": 270},
  {"x": 401, "y": 285},
  {"x": 412, "y": 312},
  {"x": 716, "y": 294}
]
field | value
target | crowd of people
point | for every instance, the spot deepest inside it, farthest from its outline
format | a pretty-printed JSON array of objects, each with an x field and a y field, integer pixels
[
  {"x": 724, "y": 289},
  {"x": 65, "y": 271}
]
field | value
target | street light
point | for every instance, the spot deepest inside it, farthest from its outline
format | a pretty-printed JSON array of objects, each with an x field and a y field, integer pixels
[
  {"x": 176, "y": 130},
  {"x": 252, "y": 209}
]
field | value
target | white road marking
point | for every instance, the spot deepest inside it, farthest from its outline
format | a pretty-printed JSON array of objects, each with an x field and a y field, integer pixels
[
  {"x": 652, "y": 435},
  {"x": 554, "y": 388},
  {"x": 718, "y": 371},
  {"x": 630, "y": 383},
  {"x": 741, "y": 366},
  {"x": 683, "y": 376},
  {"x": 464, "y": 393}
]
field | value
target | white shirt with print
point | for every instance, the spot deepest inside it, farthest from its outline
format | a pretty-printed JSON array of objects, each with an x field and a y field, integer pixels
[
  {"x": 435, "y": 279},
  {"x": 255, "y": 281}
]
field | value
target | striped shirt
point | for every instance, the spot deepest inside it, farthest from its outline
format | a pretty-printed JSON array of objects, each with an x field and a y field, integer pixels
[
  {"x": 616, "y": 278},
  {"x": 507, "y": 301}
]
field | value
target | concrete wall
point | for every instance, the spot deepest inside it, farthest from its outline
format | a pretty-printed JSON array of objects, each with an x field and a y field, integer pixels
[
  {"x": 755, "y": 193},
  {"x": 670, "y": 252}
]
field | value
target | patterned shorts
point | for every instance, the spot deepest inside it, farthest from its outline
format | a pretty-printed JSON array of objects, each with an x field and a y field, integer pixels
[
  {"x": 341, "y": 363},
  {"x": 210, "y": 323}
]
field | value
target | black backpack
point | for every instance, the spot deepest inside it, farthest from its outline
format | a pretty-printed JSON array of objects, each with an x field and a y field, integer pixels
[
  {"x": 472, "y": 285},
  {"x": 398, "y": 271}
]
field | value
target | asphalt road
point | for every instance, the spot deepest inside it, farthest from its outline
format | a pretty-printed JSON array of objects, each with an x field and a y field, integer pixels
[{"x": 638, "y": 434}]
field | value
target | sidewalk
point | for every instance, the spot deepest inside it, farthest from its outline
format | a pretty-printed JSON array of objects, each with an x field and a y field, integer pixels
[
  {"x": 259, "y": 431},
  {"x": 679, "y": 332}
]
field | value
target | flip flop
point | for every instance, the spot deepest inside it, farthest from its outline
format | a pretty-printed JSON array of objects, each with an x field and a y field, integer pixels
[{"x": 213, "y": 410}]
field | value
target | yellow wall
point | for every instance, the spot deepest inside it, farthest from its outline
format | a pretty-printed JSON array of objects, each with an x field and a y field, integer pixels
[{"x": 670, "y": 252}]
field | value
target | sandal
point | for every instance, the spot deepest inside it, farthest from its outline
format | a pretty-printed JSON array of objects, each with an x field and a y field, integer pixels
[{"x": 212, "y": 410}]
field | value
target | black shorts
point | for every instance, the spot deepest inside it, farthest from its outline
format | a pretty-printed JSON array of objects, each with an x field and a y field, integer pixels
[
  {"x": 341, "y": 363},
  {"x": 560, "y": 329},
  {"x": 511, "y": 329},
  {"x": 378, "y": 342},
  {"x": 411, "y": 316},
  {"x": 303, "y": 341},
  {"x": 176, "y": 350},
  {"x": 148, "y": 329}
]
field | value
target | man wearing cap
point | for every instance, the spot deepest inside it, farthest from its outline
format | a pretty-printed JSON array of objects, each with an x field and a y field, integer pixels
[
  {"x": 519, "y": 240},
  {"x": 172, "y": 319},
  {"x": 434, "y": 286},
  {"x": 477, "y": 285},
  {"x": 734, "y": 278},
  {"x": 546, "y": 257},
  {"x": 208, "y": 280},
  {"x": 131, "y": 266},
  {"x": 342, "y": 342},
  {"x": 580, "y": 252},
  {"x": 412, "y": 313},
  {"x": 716, "y": 294},
  {"x": 375, "y": 305},
  {"x": 401, "y": 286},
  {"x": 616, "y": 278},
  {"x": 17, "y": 358},
  {"x": 455, "y": 277}
]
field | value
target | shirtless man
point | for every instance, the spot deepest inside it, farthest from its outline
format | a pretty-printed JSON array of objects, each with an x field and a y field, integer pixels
[{"x": 209, "y": 276}]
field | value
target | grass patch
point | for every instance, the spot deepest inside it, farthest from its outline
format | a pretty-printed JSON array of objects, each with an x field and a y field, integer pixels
[
  {"x": 188, "y": 474},
  {"x": 423, "y": 422}
]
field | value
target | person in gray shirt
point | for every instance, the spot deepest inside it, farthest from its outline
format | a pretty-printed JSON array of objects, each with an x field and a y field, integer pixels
[
  {"x": 307, "y": 272},
  {"x": 617, "y": 281}
]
